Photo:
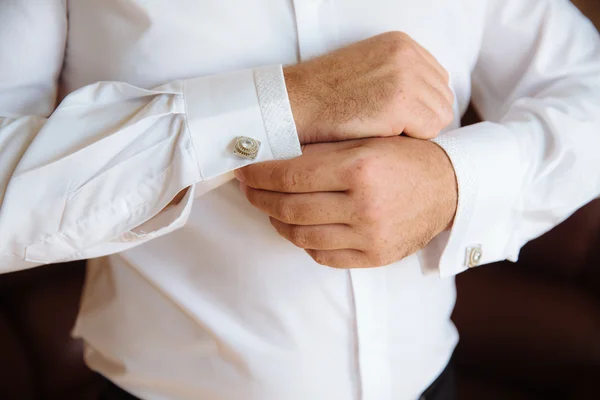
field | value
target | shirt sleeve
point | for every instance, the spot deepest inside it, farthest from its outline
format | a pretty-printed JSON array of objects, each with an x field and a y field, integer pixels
[
  {"x": 535, "y": 159},
  {"x": 92, "y": 176}
]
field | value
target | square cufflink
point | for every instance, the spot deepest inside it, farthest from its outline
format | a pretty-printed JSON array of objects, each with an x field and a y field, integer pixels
[
  {"x": 473, "y": 256},
  {"x": 246, "y": 147}
]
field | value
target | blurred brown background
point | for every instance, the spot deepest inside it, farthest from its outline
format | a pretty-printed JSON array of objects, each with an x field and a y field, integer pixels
[{"x": 529, "y": 330}]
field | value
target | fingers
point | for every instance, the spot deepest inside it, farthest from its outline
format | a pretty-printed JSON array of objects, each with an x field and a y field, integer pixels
[
  {"x": 343, "y": 259},
  {"x": 318, "y": 237},
  {"x": 437, "y": 76},
  {"x": 427, "y": 120},
  {"x": 431, "y": 60},
  {"x": 302, "y": 209},
  {"x": 312, "y": 172},
  {"x": 439, "y": 105},
  {"x": 439, "y": 84},
  {"x": 430, "y": 110}
]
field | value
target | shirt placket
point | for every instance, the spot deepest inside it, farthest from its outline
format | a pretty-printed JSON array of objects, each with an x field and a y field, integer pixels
[
  {"x": 371, "y": 304},
  {"x": 311, "y": 28},
  {"x": 316, "y": 31}
]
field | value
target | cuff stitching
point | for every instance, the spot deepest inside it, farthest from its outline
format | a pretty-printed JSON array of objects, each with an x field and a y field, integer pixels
[{"x": 276, "y": 112}]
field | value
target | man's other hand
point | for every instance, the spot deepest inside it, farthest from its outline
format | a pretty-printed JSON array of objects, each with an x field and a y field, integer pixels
[
  {"x": 382, "y": 86},
  {"x": 357, "y": 204}
]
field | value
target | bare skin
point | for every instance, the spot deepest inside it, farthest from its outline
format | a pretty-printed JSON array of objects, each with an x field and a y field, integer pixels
[
  {"x": 383, "y": 86},
  {"x": 357, "y": 204}
]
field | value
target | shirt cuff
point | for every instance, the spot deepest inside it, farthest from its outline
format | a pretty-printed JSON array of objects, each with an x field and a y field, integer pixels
[
  {"x": 488, "y": 164},
  {"x": 252, "y": 103}
]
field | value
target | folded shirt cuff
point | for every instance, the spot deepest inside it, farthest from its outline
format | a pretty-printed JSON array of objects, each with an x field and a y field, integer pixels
[
  {"x": 489, "y": 169},
  {"x": 251, "y": 103}
]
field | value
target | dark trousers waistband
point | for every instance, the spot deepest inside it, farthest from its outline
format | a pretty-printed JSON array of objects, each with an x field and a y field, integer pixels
[{"x": 443, "y": 388}]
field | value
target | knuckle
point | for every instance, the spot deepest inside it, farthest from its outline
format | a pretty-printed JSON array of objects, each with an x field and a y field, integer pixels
[
  {"x": 379, "y": 259},
  {"x": 365, "y": 168},
  {"x": 371, "y": 212},
  {"x": 431, "y": 134},
  {"x": 432, "y": 125},
  {"x": 446, "y": 75},
  {"x": 408, "y": 51},
  {"x": 298, "y": 236},
  {"x": 446, "y": 115},
  {"x": 431, "y": 131},
  {"x": 246, "y": 176},
  {"x": 397, "y": 45},
  {"x": 328, "y": 259},
  {"x": 284, "y": 211},
  {"x": 251, "y": 196},
  {"x": 397, "y": 39},
  {"x": 438, "y": 121},
  {"x": 403, "y": 51},
  {"x": 397, "y": 35},
  {"x": 319, "y": 257},
  {"x": 288, "y": 180}
]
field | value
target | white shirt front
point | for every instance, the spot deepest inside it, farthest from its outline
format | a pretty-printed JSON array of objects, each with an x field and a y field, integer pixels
[{"x": 217, "y": 306}]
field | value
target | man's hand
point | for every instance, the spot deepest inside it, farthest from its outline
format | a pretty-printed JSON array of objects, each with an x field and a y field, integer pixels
[
  {"x": 357, "y": 204},
  {"x": 382, "y": 86}
]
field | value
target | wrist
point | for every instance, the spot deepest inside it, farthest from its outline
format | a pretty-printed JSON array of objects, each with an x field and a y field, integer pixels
[
  {"x": 447, "y": 187},
  {"x": 299, "y": 102}
]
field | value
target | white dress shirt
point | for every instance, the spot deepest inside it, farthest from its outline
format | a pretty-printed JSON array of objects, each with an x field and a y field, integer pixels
[{"x": 218, "y": 306}]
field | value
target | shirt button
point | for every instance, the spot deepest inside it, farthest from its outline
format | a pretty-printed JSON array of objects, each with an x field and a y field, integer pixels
[{"x": 474, "y": 256}]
